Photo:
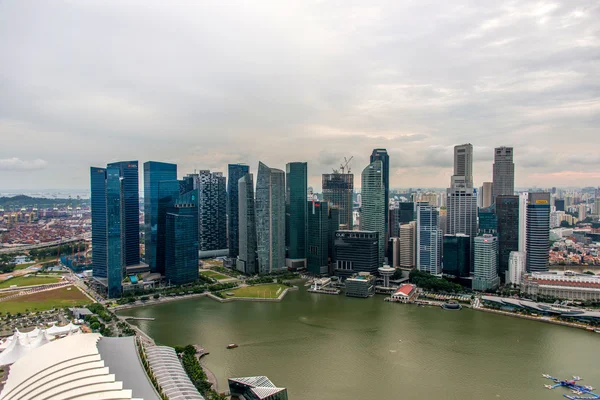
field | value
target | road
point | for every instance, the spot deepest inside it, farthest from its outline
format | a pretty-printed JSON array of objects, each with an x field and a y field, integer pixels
[{"x": 47, "y": 244}]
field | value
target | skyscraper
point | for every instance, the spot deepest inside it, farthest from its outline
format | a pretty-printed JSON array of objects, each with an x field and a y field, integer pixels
[
  {"x": 168, "y": 193},
  {"x": 382, "y": 155},
  {"x": 154, "y": 172},
  {"x": 355, "y": 251},
  {"x": 457, "y": 255},
  {"x": 516, "y": 267},
  {"x": 559, "y": 204},
  {"x": 486, "y": 263},
  {"x": 318, "y": 237},
  {"x": 507, "y": 211},
  {"x": 408, "y": 237},
  {"x": 373, "y": 210},
  {"x": 338, "y": 190},
  {"x": 181, "y": 240},
  {"x": 538, "y": 232},
  {"x": 504, "y": 172},
  {"x": 212, "y": 212},
  {"x": 246, "y": 262},
  {"x": 296, "y": 184},
  {"x": 429, "y": 240},
  {"x": 234, "y": 173},
  {"x": 270, "y": 219},
  {"x": 463, "y": 163},
  {"x": 488, "y": 221},
  {"x": 487, "y": 198},
  {"x": 523, "y": 200},
  {"x": 115, "y": 226}
]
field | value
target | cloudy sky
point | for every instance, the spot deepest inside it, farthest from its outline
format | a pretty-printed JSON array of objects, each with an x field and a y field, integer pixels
[{"x": 207, "y": 83}]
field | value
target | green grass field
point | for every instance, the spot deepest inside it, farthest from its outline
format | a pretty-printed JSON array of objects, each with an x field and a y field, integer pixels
[
  {"x": 270, "y": 291},
  {"x": 214, "y": 275},
  {"x": 46, "y": 300},
  {"x": 23, "y": 266},
  {"x": 22, "y": 281}
]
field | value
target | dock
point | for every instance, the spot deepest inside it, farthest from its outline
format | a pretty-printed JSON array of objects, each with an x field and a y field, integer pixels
[
  {"x": 324, "y": 291},
  {"x": 137, "y": 318}
]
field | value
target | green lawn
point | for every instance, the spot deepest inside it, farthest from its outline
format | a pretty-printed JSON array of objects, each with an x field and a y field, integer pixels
[
  {"x": 45, "y": 300},
  {"x": 21, "y": 281},
  {"x": 23, "y": 266},
  {"x": 270, "y": 291},
  {"x": 214, "y": 275}
]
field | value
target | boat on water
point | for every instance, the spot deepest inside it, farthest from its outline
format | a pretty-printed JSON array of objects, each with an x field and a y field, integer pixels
[
  {"x": 232, "y": 346},
  {"x": 451, "y": 305}
]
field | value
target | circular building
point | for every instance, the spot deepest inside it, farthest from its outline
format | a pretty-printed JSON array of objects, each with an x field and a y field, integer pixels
[{"x": 386, "y": 271}]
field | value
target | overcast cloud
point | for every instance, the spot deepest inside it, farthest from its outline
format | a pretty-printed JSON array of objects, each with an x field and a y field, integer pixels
[{"x": 208, "y": 83}]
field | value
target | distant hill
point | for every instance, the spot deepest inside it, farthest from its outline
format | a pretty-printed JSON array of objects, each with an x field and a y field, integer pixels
[{"x": 20, "y": 201}]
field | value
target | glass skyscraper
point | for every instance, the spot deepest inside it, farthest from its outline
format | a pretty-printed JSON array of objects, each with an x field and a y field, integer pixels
[
  {"x": 234, "y": 173},
  {"x": 373, "y": 209},
  {"x": 168, "y": 193},
  {"x": 247, "y": 262},
  {"x": 270, "y": 218},
  {"x": 382, "y": 155},
  {"x": 488, "y": 221},
  {"x": 318, "y": 237},
  {"x": 457, "y": 255},
  {"x": 296, "y": 184},
  {"x": 338, "y": 190},
  {"x": 507, "y": 211},
  {"x": 181, "y": 241},
  {"x": 154, "y": 172},
  {"x": 212, "y": 211},
  {"x": 538, "y": 232},
  {"x": 355, "y": 251},
  {"x": 115, "y": 223},
  {"x": 429, "y": 240}
]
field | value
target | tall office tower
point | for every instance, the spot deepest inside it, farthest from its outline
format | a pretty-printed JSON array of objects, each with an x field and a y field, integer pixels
[
  {"x": 582, "y": 211},
  {"x": 463, "y": 164},
  {"x": 296, "y": 183},
  {"x": 234, "y": 173},
  {"x": 270, "y": 219},
  {"x": 154, "y": 172},
  {"x": 487, "y": 198},
  {"x": 317, "y": 259},
  {"x": 338, "y": 191},
  {"x": 457, "y": 255},
  {"x": 393, "y": 225},
  {"x": 488, "y": 221},
  {"x": 168, "y": 193},
  {"x": 181, "y": 240},
  {"x": 394, "y": 252},
  {"x": 408, "y": 237},
  {"x": 246, "y": 261},
  {"x": 115, "y": 223},
  {"x": 597, "y": 206},
  {"x": 373, "y": 210},
  {"x": 429, "y": 240},
  {"x": 382, "y": 155},
  {"x": 507, "y": 211},
  {"x": 334, "y": 226},
  {"x": 486, "y": 263},
  {"x": 523, "y": 200},
  {"x": 516, "y": 267},
  {"x": 559, "y": 204},
  {"x": 538, "y": 232},
  {"x": 355, "y": 251},
  {"x": 407, "y": 212},
  {"x": 504, "y": 172},
  {"x": 212, "y": 212}
]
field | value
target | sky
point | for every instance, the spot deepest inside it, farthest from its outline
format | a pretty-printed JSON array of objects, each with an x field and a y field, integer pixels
[{"x": 207, "y": 83}]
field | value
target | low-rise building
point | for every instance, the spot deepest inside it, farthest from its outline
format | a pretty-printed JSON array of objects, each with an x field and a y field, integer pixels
[
  {"x": 361, "y": 285},
  {"x": 256, "y": 388},
  {"x": 406, "y": 293},
  {"x": 567, "y": 285}
]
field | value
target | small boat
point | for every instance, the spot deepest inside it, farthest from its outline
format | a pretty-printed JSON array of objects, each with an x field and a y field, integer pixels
[
  {"x": 576, "y": 378},
  {"x": 232, "y": 346}
]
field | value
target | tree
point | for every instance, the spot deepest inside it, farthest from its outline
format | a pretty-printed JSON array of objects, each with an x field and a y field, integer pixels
[
  {"x": 564, "y": 224},
  {"x": 95, "y": 325}
]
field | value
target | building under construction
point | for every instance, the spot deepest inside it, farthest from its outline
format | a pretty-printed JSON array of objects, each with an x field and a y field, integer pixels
[{"x": 337, "y": 190}]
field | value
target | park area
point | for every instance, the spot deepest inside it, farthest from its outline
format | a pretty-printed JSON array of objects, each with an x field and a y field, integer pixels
[
  {"x": 22, "y": 281},
  {"x": 46, "y": 300},
  {"x": 270, "y": 291},
  {"x": 214, "y": 275}
]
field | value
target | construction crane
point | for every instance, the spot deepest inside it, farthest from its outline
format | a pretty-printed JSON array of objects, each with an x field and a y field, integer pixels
[{"x": 345, "y": 166}]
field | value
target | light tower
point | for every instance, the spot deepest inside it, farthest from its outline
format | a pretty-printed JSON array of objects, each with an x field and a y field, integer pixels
[{"x": 386, "y": 271}]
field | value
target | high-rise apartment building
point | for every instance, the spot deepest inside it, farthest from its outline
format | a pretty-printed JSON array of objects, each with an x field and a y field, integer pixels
[
  {"x": 181, "y": 240},
  {"x": 212, "y": 213},
  {"x": 582, "y": 211},
  {"x": 429, "y": 240},
  {"x": 486, "y": 263},
  {"x": 338, "y": 189},
  {"x": 154, "y": 173},
  {"x": 373, "y": 210},
  {"x": 457, "y": 255},
  {"x": 382, "y": 155},
  {"x": 507, "y": 211},
  {"x": 487, "y": 198},
  {"x": 246, "y": 262},
  {"x": 516, "y": 267},
  {"x": 234, "y": 173},
  {"x": 408, "y": 237},
  {"x": 296, "y": 210},
  {"x": 270, "y": 218},
  {"x": 504, "y": 172},
  {"x": 538, "y": 232},
  {"x": 318, "y": 237},
  {"x": 115, "y": 223}
]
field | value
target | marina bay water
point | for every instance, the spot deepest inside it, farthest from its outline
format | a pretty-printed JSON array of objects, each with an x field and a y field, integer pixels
[{"x": 325, "y": 347}]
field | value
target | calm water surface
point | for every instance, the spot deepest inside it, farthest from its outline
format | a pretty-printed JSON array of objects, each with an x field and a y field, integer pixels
[{"x": 334, "y": 347}]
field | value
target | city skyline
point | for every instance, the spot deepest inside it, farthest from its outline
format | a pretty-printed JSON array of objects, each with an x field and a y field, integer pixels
[{"x": 495, "y": 75}]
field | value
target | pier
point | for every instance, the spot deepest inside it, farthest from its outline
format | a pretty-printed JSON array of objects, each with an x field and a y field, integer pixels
[{"x": 136, "y": 318}]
